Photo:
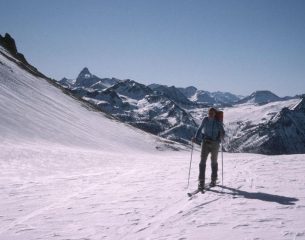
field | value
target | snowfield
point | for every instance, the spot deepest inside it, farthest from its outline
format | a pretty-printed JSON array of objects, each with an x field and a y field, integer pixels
[
  {"x": 69, "y": 172},
  {"x": 256, "y": 114},
  {"x": 52, "y": 192}
]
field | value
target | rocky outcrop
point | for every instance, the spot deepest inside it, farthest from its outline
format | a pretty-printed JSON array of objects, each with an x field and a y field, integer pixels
[{"x": 9, "y": 44}]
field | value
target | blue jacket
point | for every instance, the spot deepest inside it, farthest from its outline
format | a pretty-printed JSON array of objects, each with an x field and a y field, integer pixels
[{"x": 211, "y": 129}]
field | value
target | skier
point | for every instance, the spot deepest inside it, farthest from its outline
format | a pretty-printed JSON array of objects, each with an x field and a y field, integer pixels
[{"x": 213, "y": 132}]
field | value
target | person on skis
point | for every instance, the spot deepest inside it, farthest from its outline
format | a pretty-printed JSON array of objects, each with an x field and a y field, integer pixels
[{"x": 213, "y": 132}]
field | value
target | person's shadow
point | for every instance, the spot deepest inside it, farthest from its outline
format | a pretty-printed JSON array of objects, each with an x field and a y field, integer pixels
[{"x": 257, "y": 195}]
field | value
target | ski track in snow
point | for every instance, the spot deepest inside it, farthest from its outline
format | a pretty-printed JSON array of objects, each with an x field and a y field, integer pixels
[{"x": 144, "y": 199}]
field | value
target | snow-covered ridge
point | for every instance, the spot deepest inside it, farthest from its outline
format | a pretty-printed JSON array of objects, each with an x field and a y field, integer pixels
[
  {"x": 218, "y": 98},
  {"x": 33, "y": 111},
  {"x": 257, "y": 114},
  {"x": 274, "y": 128},
  {"x": 260, "y": 97}
]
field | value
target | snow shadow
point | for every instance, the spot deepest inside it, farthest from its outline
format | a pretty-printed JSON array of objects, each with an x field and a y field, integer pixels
[{"x": 258, "y": 195}]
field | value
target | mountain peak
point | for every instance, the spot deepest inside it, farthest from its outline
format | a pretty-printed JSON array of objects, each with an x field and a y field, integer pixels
[
  {"x": 262, "y": 92},
  {"x": 86, "y": 79},
  {"x": 188, "y": 91},
  {"x": 261, "y": 97},
  {"x": 85, "y": 73}
]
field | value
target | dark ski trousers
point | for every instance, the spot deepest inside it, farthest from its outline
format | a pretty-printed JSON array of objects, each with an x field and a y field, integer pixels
[{"x": 208, "y": 146}]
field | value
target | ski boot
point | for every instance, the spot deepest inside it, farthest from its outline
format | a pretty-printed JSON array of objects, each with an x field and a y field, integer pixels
[
  {"x": 213, "y": 183},
  {"x": 201, "y": 186}
]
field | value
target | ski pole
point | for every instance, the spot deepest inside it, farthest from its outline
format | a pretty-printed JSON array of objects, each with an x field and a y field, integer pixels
[
  {"x": 222, "y": 163},
  {"x": 188, "y": 181}
]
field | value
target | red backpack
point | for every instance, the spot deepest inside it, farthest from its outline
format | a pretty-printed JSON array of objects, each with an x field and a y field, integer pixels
[{"x": 219, "y": 116}]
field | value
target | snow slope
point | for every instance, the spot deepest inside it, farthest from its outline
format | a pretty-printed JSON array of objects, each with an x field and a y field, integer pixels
[
  {"x": 256, "y": 114},
  {"x": 33, "y": 111},
  {"x": 273, "y": 128},
  {"x": 69, "y": 172},
  {"x": 57, "y": 193}
]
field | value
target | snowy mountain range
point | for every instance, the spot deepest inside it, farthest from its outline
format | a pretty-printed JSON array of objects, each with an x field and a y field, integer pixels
[
  {"x": 210, "y": 98},
  {"x": 137, "y": 104},
  {"x": 70, "y": 171},
  {"x": 87, "y": 80},
  {"x": 175, "y": 113}
]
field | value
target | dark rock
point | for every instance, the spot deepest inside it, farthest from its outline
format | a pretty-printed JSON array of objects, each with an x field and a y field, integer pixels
[{"x": 9, "y": 44}]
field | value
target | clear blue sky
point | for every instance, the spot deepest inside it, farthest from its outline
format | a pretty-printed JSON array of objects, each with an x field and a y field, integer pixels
[{"x": 236, "y": 46}]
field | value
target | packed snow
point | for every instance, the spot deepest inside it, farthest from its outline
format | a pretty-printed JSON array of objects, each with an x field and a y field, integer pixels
[{"x": 69, "y": 172}]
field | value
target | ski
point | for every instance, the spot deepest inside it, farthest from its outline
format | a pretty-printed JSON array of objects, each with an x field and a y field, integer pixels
[
  {"x": 207, "y": 187},
  {"x": 191, "y": 194}
]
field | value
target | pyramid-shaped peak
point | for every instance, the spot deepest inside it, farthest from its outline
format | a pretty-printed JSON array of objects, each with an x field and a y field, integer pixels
[
  {"x": 85, "y": 73},
  {"x": 85, "y": 70}
]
